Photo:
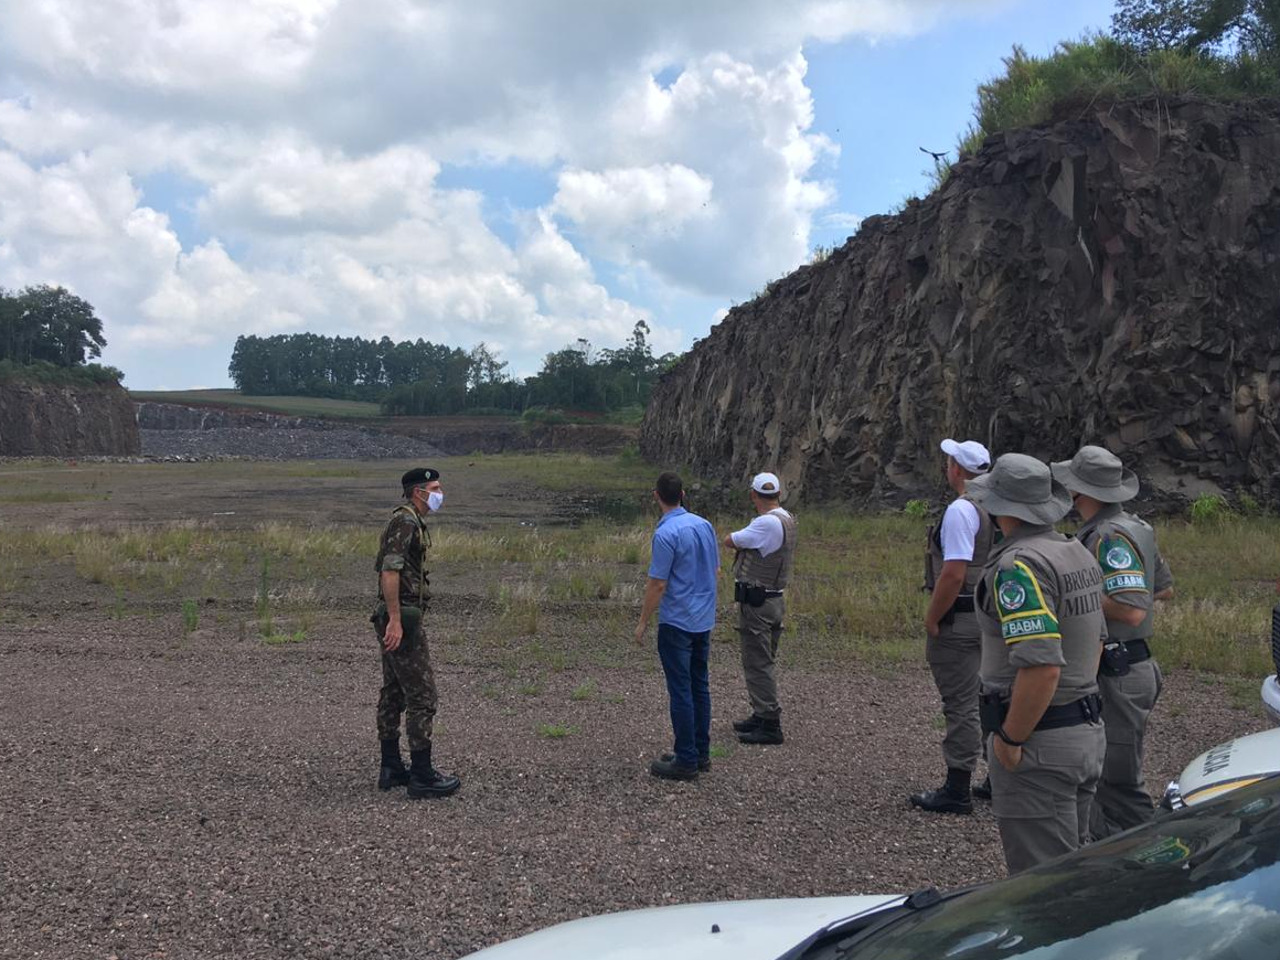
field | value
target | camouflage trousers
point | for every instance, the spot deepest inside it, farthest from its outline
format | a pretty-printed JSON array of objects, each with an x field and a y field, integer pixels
[{"x": 408, "y": 687}]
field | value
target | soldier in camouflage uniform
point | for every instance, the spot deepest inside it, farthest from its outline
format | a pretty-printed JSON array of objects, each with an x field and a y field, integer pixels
[
  {"x": 408, "y": 684},
  {"x": 1134, "y": 574}
]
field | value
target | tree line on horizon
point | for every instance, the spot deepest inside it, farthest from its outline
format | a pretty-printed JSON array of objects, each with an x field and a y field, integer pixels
[{"x": 420, "y": 378}]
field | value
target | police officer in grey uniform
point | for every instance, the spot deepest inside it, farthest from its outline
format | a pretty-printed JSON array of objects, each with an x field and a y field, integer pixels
[
  {"x": 1040, "y": 609},
  {"x": 955, "y": 555},
  {"x": 1134, "y": 574},
  {"x": 761, "y": 571}
]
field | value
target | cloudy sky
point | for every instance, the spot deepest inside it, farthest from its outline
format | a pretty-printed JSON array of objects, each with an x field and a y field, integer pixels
[{"x": 522, "y": 172}]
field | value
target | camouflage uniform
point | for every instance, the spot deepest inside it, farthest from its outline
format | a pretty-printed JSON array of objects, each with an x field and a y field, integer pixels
[{"x": 408, "y": 684}]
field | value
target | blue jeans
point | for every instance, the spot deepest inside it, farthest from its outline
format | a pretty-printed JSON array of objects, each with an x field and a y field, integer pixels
[{"x": 685, "y": 659}]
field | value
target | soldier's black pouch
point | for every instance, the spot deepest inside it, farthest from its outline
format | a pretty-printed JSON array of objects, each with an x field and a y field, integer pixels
[
  {"x": 992, "y": 709},
  {"x": 1115, "y": 660},
  {"x": 749, "y": 594}
]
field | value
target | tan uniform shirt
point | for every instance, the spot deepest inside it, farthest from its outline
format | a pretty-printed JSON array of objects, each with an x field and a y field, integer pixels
[{"x": 1039, "y": 603}]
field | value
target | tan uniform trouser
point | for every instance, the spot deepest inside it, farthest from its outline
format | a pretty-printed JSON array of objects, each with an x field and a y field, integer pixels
[
  {"x": 954, "y": 656},
  {"x": 1042, "y": 806},
  {"x": 1123, "y": 801},
  {"x": 759, "y": 629}
]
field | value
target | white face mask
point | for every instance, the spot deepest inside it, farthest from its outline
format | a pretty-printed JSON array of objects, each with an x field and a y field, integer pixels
[{"x": 435, "y": 500}]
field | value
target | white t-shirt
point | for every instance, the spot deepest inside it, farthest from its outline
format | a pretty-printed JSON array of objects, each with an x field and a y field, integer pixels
[
  {"x": 960, "y": 526},
  {"x": 764, "y": 533}
]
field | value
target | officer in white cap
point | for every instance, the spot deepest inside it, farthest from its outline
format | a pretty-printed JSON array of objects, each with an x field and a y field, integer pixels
[
  {"x": 1134, "y": 574},
  {"x": 761, "y": 570},
  {"x": 955, "y": 555}
]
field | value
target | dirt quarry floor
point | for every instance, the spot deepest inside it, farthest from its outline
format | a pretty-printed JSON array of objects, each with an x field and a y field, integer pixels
[{"x": 187, "y": 756}]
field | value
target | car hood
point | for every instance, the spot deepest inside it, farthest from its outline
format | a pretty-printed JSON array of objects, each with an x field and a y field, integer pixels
[
  {"x": 748, "y": 930},
  {"x": 1228, "y": 766}
]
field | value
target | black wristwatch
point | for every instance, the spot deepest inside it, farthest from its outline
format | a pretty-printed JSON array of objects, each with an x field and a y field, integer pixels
[{"x": 1008, "y": 739}]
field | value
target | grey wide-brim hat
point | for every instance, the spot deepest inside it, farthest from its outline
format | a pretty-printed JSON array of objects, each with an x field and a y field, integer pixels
[
  {"x": 1097, "y": 472},
  {"x": 1020, "y": 486}
]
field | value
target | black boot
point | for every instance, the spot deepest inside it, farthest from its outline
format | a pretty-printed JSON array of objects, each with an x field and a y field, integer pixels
[
  {"x": 426, "y": 781},
  {"x": 769, "y": 731},
  {"x": 392, "y": 773},
  {"x": 953, "y": 796},
  {"x": 746, "y": 726},
  {"x": 983, "y": 790}
]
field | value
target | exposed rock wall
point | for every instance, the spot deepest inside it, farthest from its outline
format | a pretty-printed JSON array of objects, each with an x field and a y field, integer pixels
[
  {"x": 1111, "y": 278},
  {"x": 47, "y": 420}
]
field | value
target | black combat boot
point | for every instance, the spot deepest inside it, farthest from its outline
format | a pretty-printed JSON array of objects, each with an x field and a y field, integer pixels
[
  {"x": 392, "y": 773},
  {"x": 769, "y": 731},
  {"x": 983, "y": 790},
  {"x": 953, "y": 796},
  {"x": 746, "y": 726},
  {"x": 426, "y": 781}
]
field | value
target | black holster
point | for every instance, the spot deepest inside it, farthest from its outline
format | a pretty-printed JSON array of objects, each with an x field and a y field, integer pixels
[
  {"x": 1115, "y": 660},
  {"x": 992, "y": 709},
  {"x": 750, "y": 594}
]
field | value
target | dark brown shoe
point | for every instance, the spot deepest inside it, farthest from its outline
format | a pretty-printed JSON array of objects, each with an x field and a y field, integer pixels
[
  {"x": 704, "y": 763},
  {"x": 671, "y": 770}
]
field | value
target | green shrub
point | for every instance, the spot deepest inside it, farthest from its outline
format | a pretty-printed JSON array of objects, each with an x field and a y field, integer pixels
[
  {"x": 190, "y": 616},
  {"x": 1209, "y": 508},
  {"x": 916, "y": 509},
  {"x": 41, "y": 371}
]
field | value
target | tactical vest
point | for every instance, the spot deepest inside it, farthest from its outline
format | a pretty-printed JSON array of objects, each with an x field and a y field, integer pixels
[
  {"x": 774, "y": 571},
  {"x": 1140, "y": 534},
  {"x": 981, "y": 548},
  {"x": 1077, "y": 586}
]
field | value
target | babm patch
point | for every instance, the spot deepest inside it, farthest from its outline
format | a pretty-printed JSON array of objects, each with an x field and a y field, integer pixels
[
  {"x": 1121, "y": 564},
  {"x": 1024, "y": 615}
]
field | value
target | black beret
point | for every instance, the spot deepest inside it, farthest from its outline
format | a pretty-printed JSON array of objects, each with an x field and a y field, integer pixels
[{"x": 419, "y": 475}]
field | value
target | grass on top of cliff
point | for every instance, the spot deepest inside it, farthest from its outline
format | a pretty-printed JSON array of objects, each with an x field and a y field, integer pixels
[
  {"x": 1098, "y": 70},
  {"x": 527, "y": 591}
]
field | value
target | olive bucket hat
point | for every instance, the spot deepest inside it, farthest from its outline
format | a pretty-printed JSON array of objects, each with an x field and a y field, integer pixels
[
  {"x": 1020, "y": 486},
  {"x": 1097, "y": 472}
]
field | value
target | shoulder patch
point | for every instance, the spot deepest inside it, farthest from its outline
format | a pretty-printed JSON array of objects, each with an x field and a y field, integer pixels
[
  {"x": 1121, "y": 564},
  {"x": 1020, "y": 604}
]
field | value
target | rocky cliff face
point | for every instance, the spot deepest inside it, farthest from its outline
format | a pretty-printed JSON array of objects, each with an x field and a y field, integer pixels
[
  {"x": 47, "y": 420},
  {"x": 1112, "y": 278}
]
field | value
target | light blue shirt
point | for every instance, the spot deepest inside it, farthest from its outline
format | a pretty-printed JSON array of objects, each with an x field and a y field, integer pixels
[{"x": 686, "y": 555}]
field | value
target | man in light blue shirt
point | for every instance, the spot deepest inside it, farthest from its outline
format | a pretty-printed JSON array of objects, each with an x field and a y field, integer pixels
[{"x": 682, "y": 589}]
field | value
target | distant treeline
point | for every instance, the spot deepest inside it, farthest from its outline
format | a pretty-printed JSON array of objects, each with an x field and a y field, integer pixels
[{"x": 422, "y": 379}]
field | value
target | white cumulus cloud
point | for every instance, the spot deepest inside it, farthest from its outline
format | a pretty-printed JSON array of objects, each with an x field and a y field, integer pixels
[{"x": 312, "y": 138}]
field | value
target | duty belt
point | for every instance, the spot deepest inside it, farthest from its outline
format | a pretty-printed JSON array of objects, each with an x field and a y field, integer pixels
[
  {"x": 993, "y": 708},
  {"x": 1136, "y": 650},
  {"x": 963, "y": 604}
]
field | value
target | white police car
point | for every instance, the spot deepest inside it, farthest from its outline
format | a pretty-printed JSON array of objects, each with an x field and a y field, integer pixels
[
  {"x": 1201, "y": 883},
  {"x": 1236, "y": 763}
]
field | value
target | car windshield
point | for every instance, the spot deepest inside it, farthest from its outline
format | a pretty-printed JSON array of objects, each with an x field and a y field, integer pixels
[{"x": 1203, "y": 884}]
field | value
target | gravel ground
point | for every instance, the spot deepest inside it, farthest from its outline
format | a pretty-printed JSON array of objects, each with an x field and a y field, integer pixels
[
  {"x": 215, "y": 797},
  {"x": 284, "y": 444}
]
